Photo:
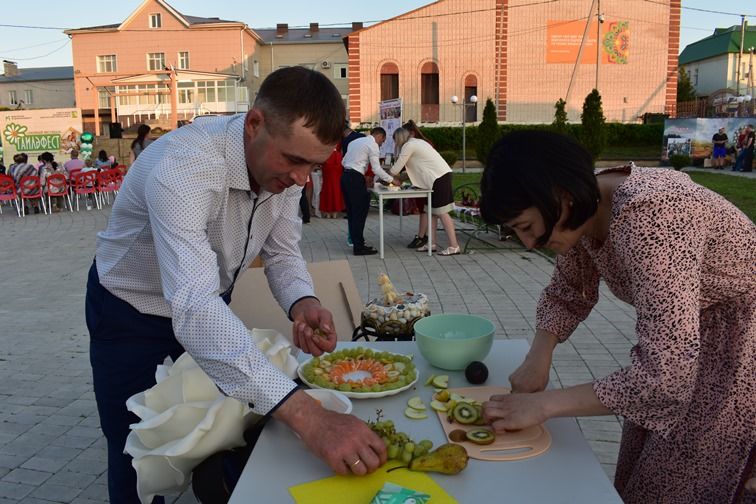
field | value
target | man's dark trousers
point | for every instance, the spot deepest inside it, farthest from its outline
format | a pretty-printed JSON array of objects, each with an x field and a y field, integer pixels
[
  {"x": 125, "y": 348},
  {"x": 357, "y": 200}
]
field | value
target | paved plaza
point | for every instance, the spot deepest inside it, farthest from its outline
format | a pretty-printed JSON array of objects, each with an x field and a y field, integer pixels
[{"x": 51, "y": 447}]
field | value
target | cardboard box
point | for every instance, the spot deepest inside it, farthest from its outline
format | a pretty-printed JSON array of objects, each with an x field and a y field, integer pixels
[{"x": 253, "y": 302}]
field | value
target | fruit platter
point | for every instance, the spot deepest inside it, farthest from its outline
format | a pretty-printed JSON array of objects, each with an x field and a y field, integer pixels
[{"x": 360, "y": 373}]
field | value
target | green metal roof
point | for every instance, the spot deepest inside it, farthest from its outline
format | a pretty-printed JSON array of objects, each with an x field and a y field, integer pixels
[{"x": 723, "y": 41}]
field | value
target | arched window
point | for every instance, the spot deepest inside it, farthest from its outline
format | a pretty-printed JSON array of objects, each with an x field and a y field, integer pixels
[
  {"x": 471, "y": 88},
  {"x": 429, "y": 92},
  {"x": 389, "y": 81}
]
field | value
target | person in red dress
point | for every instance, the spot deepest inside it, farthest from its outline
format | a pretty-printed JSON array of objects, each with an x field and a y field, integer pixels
[{"x": 331, "y": 199}]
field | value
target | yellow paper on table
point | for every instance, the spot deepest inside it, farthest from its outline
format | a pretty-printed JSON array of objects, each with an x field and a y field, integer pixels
[{"x": 361, "y": 489}]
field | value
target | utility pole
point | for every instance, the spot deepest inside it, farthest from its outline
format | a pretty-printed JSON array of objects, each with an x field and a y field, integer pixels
[
  {"x": 599, "y": 21},
  {"x": 580, "y": 50},
  {"x": 743, "y": 25}
]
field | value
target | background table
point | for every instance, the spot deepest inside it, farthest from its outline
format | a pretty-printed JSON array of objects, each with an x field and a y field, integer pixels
[
  {"x": 567, "y": 473},
  {"x": 387, "y": 194}
]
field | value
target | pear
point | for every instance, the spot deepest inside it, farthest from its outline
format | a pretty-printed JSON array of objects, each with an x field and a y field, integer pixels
[{"x": 449, "y": 458}]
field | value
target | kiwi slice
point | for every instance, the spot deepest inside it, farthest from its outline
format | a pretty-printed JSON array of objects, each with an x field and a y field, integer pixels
[
  {"x": 480, "y": 436},
  {"x": 465, "y": 413}
]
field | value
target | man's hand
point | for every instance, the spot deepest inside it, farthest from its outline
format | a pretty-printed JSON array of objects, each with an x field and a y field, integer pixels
[
  {"x": 397, "y": 181},
  {"x": 313, "y": 330},
  {"x": 344, "y": 442}
]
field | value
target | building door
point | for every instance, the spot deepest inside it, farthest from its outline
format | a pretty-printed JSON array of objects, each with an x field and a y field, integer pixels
[
  {"x": 471, "y": 89},
  {"x": 429, "y": 95}
]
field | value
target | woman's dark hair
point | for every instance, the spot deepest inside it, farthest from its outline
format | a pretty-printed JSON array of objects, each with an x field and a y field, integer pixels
[
  {"x": 21, "y": 157},
  {"x": 415, "y": 131},
  {"x": 102, "y": 155},
  {"x": 297, "y": 92},
  {"x": 533, "y": 168},
  {"x": 142, "y": 133}
]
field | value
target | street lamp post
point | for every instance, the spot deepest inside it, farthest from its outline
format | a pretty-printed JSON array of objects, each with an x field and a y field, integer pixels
[{"x": 473, "y": 101}]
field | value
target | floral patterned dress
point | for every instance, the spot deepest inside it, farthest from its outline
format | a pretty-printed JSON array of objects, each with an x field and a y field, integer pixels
[{"x": 685, "y": 258}]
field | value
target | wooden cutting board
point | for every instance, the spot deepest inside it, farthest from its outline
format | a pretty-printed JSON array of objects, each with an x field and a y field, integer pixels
[{"x": 515, "y": 445}]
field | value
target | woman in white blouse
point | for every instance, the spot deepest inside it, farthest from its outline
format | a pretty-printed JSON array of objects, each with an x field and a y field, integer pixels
[{"x": 428, "y": 170}]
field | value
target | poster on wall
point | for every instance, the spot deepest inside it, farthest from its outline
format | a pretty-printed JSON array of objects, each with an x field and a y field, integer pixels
[
  {"x": 563, "y": 38},
  {"x": 391, "y": 118},
  {"x": 693, "y": 137},
  {"x": 43, "y": 130}
]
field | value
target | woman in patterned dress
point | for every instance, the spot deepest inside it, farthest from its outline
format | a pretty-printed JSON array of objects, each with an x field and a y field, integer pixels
[{"x": 685, "y": 258}]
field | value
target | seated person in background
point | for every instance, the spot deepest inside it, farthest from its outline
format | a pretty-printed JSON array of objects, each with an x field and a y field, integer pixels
[
  {"x": 427, "y": 170},
  {"x": 103, "y": 162},
  {"x": 22, "y": 168},
  {"x": 74, "y": 163}
]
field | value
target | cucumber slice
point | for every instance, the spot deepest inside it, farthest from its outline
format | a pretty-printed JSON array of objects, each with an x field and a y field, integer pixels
[
  {"x": 415, "y": 414},
  {"x": 416, "y": 403}
]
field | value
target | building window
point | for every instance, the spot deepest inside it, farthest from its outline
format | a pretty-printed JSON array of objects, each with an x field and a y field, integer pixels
[
  {"x": 183, "y": 60},
  {"x": 206, "y": 91},
  {"x": 695, "y": 77},
  {"x": 226, "y": 91},
  {"x": 103, "y": 99},
  {"x": 155, "y": 21},
  {"x": 340, "y": 71},
  {"x": 12, "y": 98},
  {"x": 389, "y": 81},
  {"x": 155, "y": 61},
  {"x": 28, "y": 97},
  {"x": 186, "y": 92},
  {"x": 256, "y": 68},
  {"x": 106, "y": 63}
]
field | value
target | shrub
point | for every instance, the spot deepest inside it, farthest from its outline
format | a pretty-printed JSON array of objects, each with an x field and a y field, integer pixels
[
  {"x": 594, "y": 135},
  {"x": 488, "y": 132},
  {"x": 560, "y": 116},
  {"x": 449, "y": 156},
  {"x": 679, "y": 161}
]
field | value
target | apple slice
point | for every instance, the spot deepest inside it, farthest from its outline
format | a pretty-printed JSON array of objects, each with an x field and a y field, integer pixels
[
  {"x": 430, "y": 379},
  {"x": 416, "y": 403},
  {"x": 415, "y": 414},
  {"x": 438, "y": 406},
  {"x": 441, "y": 381}
]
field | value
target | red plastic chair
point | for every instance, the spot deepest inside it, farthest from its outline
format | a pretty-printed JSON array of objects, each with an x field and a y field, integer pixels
[
  {"x": 30, "y": 188},
  {"x": 73, "y": 172},
  {"x": 57, "y": 187},
  {"x": 108, "y": 181},
  {"x": 8, "y": 192},
  {"x": 122, "y": 169},
  {"x": 84, "y": 184}
]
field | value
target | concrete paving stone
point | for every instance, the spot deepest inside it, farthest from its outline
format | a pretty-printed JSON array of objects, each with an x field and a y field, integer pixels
[
  {"x": 21, "y": 400},
  {"x": 73, "y": 442},
  {"x": 45, "y": 464},
  {"x": 95, "y": 492},
  {"x": 56, "y": 493},
  {"x": 73, "y": 479},
  {"x": 29, "y": 419},
  {"x": 46, "y": 429},
  {"x": 11, "y": 461},
  {"x": 94, "y": 453},
  {"x": 605, "y": 451},
  {"x": 93, "y": 466},
  {"x": 14, "y": 491},
  {"x": 27, "y": 476},
  {"x": 58, "y": 402},
  {"x": 60, "y": 452},
  {"x": 4, "y": 471},
  {"x": 91, "y": 432},
  {"x": 62, "y": 420},
  {"x": 611, "y": 436},
  {"x": 82, "y": 500},
  {"x": 22, "y": 448},
  {"x": 610, "y": 470}
]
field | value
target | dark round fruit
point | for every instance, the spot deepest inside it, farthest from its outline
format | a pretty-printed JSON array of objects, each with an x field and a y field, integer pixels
[
  {"x": 476, "y": 373},
  {"x": 481, "y": 436}
]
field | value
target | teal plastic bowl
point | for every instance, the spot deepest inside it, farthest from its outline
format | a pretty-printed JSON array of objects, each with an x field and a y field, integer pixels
[{"x": 453, "y": 340}]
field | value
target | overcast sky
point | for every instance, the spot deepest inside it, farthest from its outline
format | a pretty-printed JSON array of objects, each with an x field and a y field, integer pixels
[{"x": 38, "y": 47}]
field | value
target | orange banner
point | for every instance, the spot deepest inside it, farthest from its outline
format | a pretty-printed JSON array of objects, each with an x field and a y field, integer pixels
[{"x": 563, "y": 42}]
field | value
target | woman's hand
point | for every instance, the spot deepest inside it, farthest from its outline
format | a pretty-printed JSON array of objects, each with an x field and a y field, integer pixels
[
  {"x": 515, "y": 411},
  {"x": 533, "y": 373},
  {"x": 313, "y": 330}
]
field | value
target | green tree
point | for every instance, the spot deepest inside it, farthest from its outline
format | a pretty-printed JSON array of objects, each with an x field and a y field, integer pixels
[
  {"x": 685, "y": 89},
  {"x": 560, "y": 116},
  {"x": 488, "y": 132},
  {"x": 593, "y": 135}
]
